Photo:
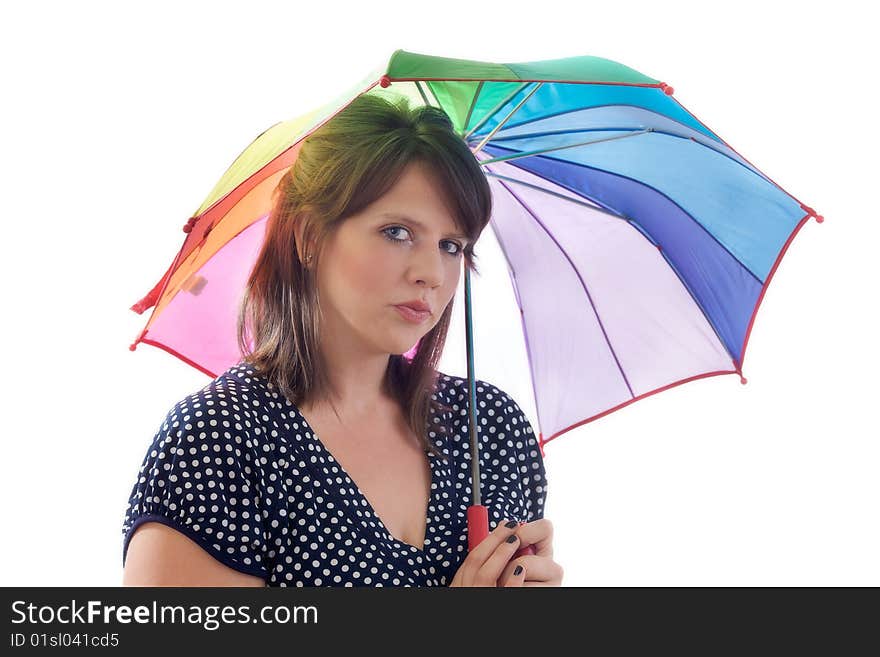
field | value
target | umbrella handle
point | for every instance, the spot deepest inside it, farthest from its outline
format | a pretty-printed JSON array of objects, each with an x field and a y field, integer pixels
[{"x": 478, "y": 529}]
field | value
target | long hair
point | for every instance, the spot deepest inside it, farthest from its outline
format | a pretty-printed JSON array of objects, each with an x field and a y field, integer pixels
[{"x": 342, "y": 167}]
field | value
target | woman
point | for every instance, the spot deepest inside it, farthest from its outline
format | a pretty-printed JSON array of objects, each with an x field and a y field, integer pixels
[{"x": 326, "y": 457}]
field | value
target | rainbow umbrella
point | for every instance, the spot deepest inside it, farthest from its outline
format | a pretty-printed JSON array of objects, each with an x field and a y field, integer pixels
[{"x": 639, "y": 243}]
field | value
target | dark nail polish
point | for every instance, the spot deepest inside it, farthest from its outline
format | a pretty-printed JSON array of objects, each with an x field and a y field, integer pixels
[
  {"x": 511, "y": 538},
  {"x": 511, "y": 524},
  {"x": 518, "y": 570}
]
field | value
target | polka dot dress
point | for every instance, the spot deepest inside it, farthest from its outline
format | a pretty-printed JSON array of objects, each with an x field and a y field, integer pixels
[{"x": 236, "y": 468}]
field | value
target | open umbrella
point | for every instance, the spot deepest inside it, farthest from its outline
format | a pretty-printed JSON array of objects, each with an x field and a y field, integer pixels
[{"x": 639, "y": 243}]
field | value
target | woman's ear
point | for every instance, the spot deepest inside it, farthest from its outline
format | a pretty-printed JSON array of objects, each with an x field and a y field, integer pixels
[{"x": 299, "y": 227}]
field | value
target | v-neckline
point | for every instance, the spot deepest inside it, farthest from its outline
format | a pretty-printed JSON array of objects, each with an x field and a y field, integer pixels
[{"x": 430, "y": 508}]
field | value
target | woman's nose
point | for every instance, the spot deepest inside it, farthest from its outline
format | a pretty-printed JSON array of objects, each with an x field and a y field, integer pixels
[{"x": 427, "y": 266}]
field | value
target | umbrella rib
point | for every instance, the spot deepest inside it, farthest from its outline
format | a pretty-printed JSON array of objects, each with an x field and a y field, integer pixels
[
  {"x": 422, "y": 91},
  {"x": 496, "y": 109},
  {"x": 507, "y": 118},
  {"x": 597, "y": 208},
  {"x": 424, "y": 96},
  {"x": 549, "y": 133},
  {"x": 473, "y": 103},
  {"x": 580, "y": 278},
  {"x": 581, "y": 108},
  {"x": 540, "y": 151}
]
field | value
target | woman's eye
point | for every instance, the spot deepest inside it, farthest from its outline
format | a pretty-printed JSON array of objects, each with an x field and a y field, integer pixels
[
  {"x": 386, "y": 233},
  {"x": 457, "y": 249}
]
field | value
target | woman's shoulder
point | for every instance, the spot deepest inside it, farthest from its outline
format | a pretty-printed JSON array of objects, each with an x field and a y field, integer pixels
[
  {"x": 241, "y": 380},
  {"x": 494, "y": 405},
  {"x": 510, "y": 452},
  {"x": 451, "y": 388},
  {"x": 241, "y": 390},
  {"x": 233, "y": 407},
  {"x": 204, "y": 473}
]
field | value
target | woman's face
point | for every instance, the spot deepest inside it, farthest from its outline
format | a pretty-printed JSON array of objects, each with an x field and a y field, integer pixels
[{"x": 403, "y": 247}]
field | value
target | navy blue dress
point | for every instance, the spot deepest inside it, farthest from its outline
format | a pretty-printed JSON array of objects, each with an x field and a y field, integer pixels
[{"x": 236, "y": 468}]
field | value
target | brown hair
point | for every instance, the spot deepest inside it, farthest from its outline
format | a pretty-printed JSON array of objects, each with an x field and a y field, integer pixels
[{"x": 342, "y": 167}]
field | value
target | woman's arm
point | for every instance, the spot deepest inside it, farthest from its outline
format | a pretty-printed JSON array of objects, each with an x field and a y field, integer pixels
[{"x": 161, "y": 556}]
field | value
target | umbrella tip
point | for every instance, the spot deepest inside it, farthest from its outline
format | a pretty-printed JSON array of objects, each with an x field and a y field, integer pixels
[
  {"x": 384, "y": 81},
  {"x": 743, "y": 379},
  {"x": 667, "y": 89},
  {"x": 134, "y": 344},
  {"x": 811, "y": 212}
]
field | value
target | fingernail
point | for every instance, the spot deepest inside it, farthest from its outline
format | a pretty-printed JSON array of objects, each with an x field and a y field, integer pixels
[
  {"x": 518, "y": 570},
  {"x": 511, "y": 538},
  {"x": 511, "y": 524}
]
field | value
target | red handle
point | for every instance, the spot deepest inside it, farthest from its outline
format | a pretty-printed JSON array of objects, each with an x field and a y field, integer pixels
[{"x": 478, "y": 529}]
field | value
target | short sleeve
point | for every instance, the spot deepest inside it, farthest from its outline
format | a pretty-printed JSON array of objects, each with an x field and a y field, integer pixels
[
  {"x": 532, "y": 478},
  {"x": 200, "y": 476}
]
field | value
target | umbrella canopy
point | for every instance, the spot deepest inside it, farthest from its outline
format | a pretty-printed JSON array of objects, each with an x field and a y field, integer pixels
[{"x": 639, "y": 243}]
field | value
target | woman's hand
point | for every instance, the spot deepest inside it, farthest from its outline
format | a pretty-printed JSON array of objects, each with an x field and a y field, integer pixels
[
  {"x": 539, "y": 569},
  {"x": 484, "y": 565}
]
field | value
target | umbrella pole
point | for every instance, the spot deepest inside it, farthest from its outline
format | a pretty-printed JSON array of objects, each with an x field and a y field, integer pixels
[{"x": 477, "y": 514}]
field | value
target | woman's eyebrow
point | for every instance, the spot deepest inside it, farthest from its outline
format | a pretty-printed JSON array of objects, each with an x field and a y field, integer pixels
[{"x": 404, "y": 217}]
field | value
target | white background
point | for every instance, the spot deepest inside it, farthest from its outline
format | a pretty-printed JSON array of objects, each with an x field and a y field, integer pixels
[{"x": 117, "y": 122}]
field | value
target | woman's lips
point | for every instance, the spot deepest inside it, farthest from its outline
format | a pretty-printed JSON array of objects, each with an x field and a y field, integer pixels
[{"x": 414, "y": 316}]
